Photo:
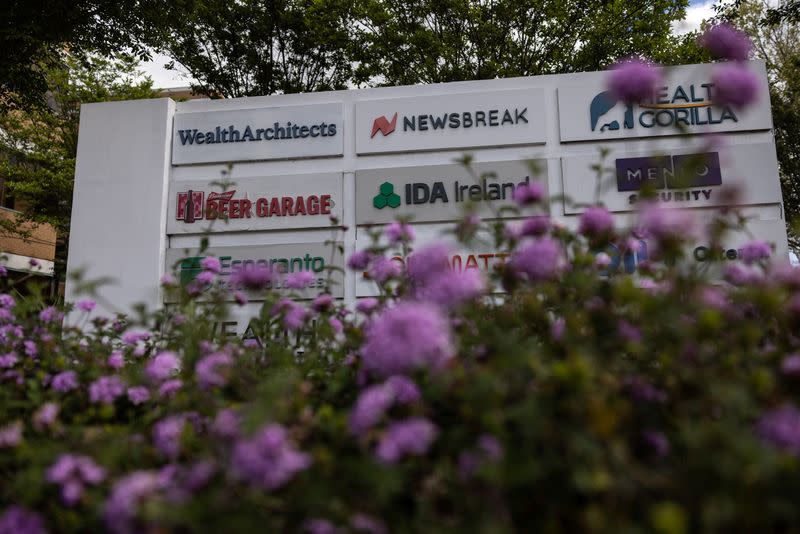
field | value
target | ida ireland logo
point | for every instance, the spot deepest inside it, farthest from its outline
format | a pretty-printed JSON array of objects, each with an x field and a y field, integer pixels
[
  {"x": 386, "y": 197},
  {"x": 678, "y": 106}
]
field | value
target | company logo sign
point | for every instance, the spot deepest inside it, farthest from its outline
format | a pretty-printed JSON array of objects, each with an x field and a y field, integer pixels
[
  {"x": 278, "y": 131},
  {"x": 191, "y": 206},
  {"x": 693, "y": 174},
  {"x": 383, "y": 125},
  {"x": 451, "y": 121},
  {"x": 436, "y": 192},
  {"x": 679, "y": 106}
]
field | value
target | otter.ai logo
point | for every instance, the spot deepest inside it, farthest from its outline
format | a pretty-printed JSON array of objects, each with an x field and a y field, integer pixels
[{"x": 677, "y": 107}]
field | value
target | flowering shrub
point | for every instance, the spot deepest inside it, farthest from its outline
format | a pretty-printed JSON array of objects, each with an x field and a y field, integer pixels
[{"x": 580, "y": 399}]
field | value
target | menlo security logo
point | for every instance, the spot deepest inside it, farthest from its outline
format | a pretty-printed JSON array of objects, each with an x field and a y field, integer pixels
[{"x": 678, "y": 106}]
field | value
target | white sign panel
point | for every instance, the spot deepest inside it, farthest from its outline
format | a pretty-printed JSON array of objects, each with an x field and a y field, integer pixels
[
  {"x": 682, "y": 178},
  {"x": 268, "y": 203},
  {"x": 258, "y": 134},
  {"x": 442, "y": 192},
  {"x": 281, "y": 259},
  {"x": 442, "y": 122},
  {"x": 684, "y": 104}
]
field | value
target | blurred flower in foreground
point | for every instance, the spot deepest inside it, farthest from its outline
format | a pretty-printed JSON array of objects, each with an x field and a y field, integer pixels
[
  {"x": 18, "y": 520},
  {"x": 398, "y": 232},
  {"x": 538, "y": 260},
  {"x": 726, "y": 42},
  {"x": 634, "y": 80},
  {"x": 781, "y": 428},
  {"x": 406, "y": 337},
  {"x": 253, "y": 277},
  {"x": 72, "y": 473},
  {"x": 268, "y": 459},
  {"x": 410, "y": 437},
  {"x": 735, "y": 85}
]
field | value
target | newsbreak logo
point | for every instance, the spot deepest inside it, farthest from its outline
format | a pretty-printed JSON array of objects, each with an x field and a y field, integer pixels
[
  {"x": 383, "y": 125},
  {"x": 386, "y": 197}
]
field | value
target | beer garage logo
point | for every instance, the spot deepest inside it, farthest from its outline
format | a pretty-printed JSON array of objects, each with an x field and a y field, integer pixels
[
  {"x": 692, "y": 174},
  {"x": 416, "y": 193},
  {"x": 192, "y": 206},
  {"x": 686, "y": 106},
  {"x": 465, "y": 119}
]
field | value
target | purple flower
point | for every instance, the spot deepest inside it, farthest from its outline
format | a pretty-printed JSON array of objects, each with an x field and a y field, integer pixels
[
  {"x": 665, "y": 223},
  {"x": 634, "y": 80},
  {"x": 383, "y": 268},
  {"x": 33, "y": 262},
  {"x": 713, "y": 297},
  {"x": 3, "y": 271},
  {"x": 299, "y": 280},
  {"x": 657, "y": 441},
  {"x": 240, "y": 298},
  {"x": 252, "y": 277},
  {"x": 18, "y": 520},
  {"x": 409, "y": 336},
  {"x": 404, "y": 389},
  {"x": 336, "y": 325},
  {"x": 535, "y": 226},
  {"x": 754, "y": 251},
  {"x": 45, "y": 416},
  {"x": 167, "y": 280},
  {"x": 132, "y": 337},
  {"x": 539, "y": 259},
  {"x": 398, "y": 232},
  {"x": 433, "y": 281},
  {"x": 205, "y": 277},
  {"x": 86, "y": 305},
  {"x": 211, "y": 264},
  {"x": 781, "y": 428},
  {"x": 116, "y": 360},
  {"x": 558, "y": 328},
  {"x": 268, "y": 459},
  {"x": 322, "y": 302},
  {"x": 367, "y": 305},
  {"x": 726, "y": 42},
  {"x": 170, "y": 388},
  {"x": 596, "y": 220},
  {"x": 138, "y": 395},
  {"x": 410, "y": 437},
  {"x": 488, "y": 448},
  {"x": 64, "y": 381},
  {"x": 226, "y": 424},
  {"x": 741, "y": 275},
  {"x": 105, "y": 389},
  {"x": 735, "y": 85},
  {"x": 49, "y": 315},
  {"x": 628, "y": 332},
  {"x": 163, "y": 366},
  {"x": 121, "y": 507},
  {"x": 294, "y": 315},
  {"x": 319, "y": 526},
  {"x": 641, "y": 390},
  {"x": 11, "y": 435},
  {"x": 7, "y": 301},
  {"x": 365, "y": 523},
  {"x": 372, "y": 404},
  {"x": 791, "y": 365},
  {"x": 30, "y": 348},
  {"x": 208, "y": 370},
  {"x": 527, "y": 194},
  {"x": 72, "y": 473},
  {"x": 8, "y": 360},
  {"x": 359, "y": 260},
  {"x": 167, "y": 435}
]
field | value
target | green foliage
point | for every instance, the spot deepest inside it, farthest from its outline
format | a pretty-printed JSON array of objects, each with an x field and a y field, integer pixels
[
  {"x": 38, "y": 146},
  {"x": 423, "y": 41},
  {"x": 778, "y": 44}
]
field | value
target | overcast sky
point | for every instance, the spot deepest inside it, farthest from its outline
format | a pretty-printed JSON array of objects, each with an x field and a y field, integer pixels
[{"x": 698, "y": 11}]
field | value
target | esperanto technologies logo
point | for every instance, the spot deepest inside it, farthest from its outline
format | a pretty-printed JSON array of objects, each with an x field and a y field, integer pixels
[{"x": 386, "y": 197}]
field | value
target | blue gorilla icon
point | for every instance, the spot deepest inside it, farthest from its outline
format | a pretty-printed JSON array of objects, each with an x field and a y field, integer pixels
[{"x": 602, "y": 104}]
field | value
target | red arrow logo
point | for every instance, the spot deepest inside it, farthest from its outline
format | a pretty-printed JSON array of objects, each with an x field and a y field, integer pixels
[{"x": 383, "y": 124}]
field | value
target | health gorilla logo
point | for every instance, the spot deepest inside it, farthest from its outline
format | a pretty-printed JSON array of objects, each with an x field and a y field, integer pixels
[{"x": 604, "y": 103}]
